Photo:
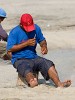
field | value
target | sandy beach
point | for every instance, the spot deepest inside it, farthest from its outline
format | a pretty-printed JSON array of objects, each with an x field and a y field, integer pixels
[{"x": 57, "y": 20}]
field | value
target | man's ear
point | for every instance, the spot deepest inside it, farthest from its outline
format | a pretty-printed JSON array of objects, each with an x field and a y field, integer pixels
[
  {"x": 21, "y": 25},
  {"x": 2, "y": 18}
]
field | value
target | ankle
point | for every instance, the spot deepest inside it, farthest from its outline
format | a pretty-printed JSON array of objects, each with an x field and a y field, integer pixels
[{"x": 59, "y": 84}]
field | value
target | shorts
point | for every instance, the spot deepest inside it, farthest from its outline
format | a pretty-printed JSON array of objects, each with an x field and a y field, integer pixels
[{"x": 39, "y": 64}]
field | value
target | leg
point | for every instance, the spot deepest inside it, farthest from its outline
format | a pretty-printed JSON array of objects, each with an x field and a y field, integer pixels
[
  {"x": 54, "y": 76},
  {"x": 31, "y": 80},
  {"x": 2, "y": 49},
  {"x": 47, "y": 69},
  {"x": 3, "y": 53},
  {"x": 21, "y": 80},
  {"x": 24, "y": 69}
]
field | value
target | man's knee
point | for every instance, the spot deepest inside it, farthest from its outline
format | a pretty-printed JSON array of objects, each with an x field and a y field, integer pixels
[{"x": 31, "y": 80}]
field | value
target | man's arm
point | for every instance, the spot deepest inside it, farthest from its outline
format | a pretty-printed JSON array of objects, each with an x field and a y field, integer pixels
[
  {"x": 29, "y": 42},
  {"x": 3, "y": 34},
  {"x": 43, "y": 45}
]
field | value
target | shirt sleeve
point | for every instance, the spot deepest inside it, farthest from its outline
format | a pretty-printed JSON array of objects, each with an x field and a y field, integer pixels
[
  {"x": 12, "y": 40},
  {"x": 39, "y": 35},
  {"x": 3, "y": 34}
]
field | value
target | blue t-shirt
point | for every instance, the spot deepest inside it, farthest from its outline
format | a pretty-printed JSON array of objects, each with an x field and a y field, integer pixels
[{"x": 17, "y": 35}]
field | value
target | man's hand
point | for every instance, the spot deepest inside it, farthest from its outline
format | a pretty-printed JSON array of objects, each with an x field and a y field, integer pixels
[
  {"x": 43, "y": 45},
  {"x": 31, "y": 42},
  {"x": 44, "y": 50}
]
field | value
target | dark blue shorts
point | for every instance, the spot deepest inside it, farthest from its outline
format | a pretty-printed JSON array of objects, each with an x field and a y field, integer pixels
[{"x": 39, "y": 64}]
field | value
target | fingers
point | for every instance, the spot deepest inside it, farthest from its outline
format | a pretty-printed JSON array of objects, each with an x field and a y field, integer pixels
[
  {"x": 31, "y": 42},
  {"x": 44, "y": 50}
]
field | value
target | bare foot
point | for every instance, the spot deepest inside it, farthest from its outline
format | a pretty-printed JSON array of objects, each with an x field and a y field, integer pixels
[{"x": 65, "y": 84}]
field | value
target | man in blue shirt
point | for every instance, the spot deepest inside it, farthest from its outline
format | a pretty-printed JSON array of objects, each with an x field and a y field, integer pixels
[{"x": 22, "y": 42}]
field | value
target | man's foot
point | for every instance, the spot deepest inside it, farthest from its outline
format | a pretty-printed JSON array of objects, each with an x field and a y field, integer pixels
[
  {"x": 65, "y": 84},
  {"x": 6, "y": 57}
]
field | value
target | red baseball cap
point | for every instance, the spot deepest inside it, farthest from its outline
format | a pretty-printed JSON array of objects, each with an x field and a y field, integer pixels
[{"x": 27, "y": 22}]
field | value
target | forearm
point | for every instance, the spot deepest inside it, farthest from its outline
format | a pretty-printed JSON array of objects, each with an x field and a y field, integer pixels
[
  {"x": 29, "y": 42},
  {"x": 4, "y": 38},
  {"x": 3, "y": 34},
  {"x": 43, "y": 45},
  {"x": 18, "y": 47}
]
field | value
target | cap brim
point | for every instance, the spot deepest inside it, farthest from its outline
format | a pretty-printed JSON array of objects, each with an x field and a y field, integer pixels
[
  {"x": 29, "y": 28},
  {"x": 3, "y": 16}
]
